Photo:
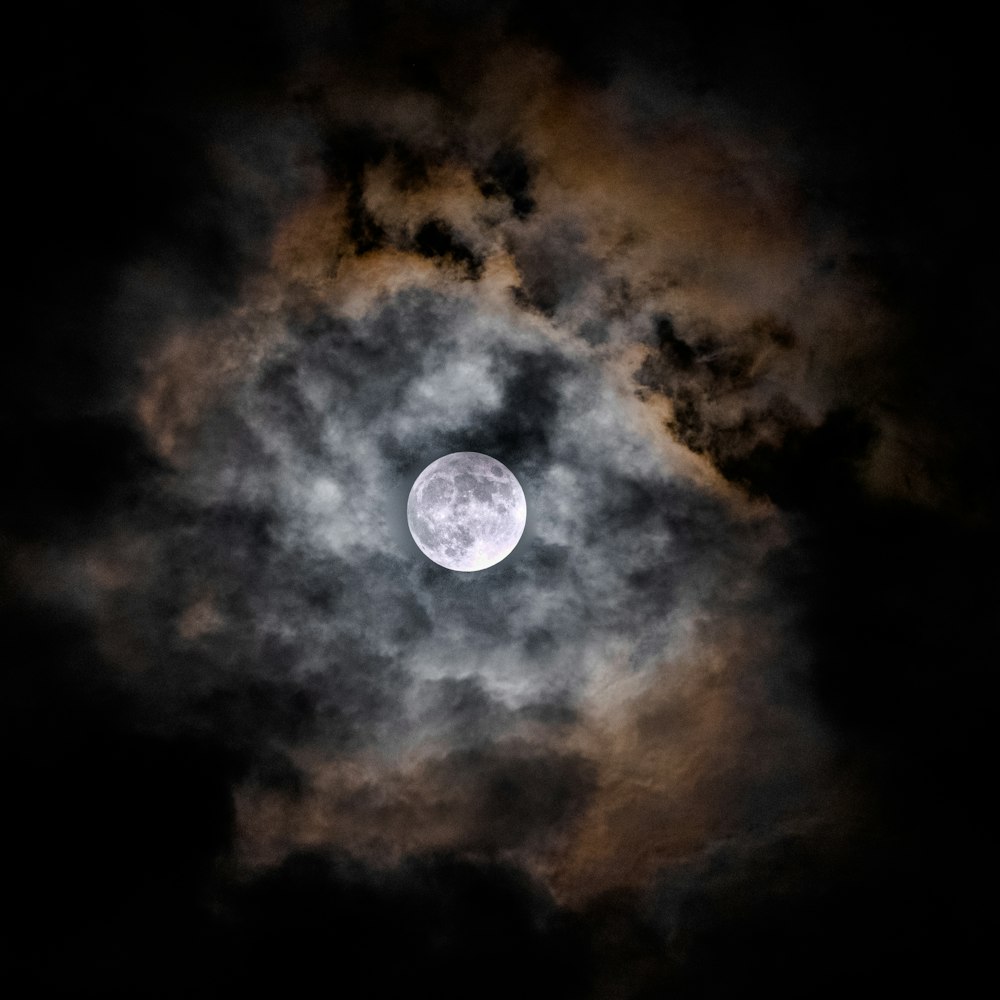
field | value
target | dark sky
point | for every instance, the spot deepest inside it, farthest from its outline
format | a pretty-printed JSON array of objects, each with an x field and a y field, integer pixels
[{"x": 713, "y": 284}]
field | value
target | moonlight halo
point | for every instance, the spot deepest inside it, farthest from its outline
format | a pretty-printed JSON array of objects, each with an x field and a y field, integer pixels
[{"x": 466, "y": 511}]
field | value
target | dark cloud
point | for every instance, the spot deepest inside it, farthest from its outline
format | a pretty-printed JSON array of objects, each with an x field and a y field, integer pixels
[
  {"x": 435, "y": 240},
  {"x": 509, "y": 174},
  {"x": 714, "y": 386},
  {"x": 521, "y": 426},
  {"x": 519, "y": 796},
  {"x": 813, "y": 468},
  {"x": 435, "y": 924},
  {"x": 553, "y": 266}
]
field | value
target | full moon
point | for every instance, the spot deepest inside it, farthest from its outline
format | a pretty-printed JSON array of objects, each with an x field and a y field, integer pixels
[{"x": 466, "y": 511}]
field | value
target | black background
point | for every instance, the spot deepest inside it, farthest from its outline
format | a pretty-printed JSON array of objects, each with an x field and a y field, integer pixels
[{"x": 116, "y": 878}]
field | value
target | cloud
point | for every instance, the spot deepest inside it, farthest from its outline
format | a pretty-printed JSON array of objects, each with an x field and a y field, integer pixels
[
  {"x": 488, "y": 283},
  {"x": 690, "y": 711}
]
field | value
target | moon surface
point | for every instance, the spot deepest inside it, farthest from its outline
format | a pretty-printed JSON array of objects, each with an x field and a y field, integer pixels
[{"x": 466, "y": 511}]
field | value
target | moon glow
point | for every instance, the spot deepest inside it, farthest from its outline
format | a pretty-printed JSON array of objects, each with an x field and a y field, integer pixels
[{"x": 466, "y": 511}]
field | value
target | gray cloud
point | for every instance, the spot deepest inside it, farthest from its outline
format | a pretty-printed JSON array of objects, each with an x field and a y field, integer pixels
[
  {"x": 291, "y": 523},
  {"x": 613, "y": 310}
]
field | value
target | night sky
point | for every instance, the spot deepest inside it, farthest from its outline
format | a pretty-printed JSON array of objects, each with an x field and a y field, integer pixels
[{"x": 713, "y": 284}]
